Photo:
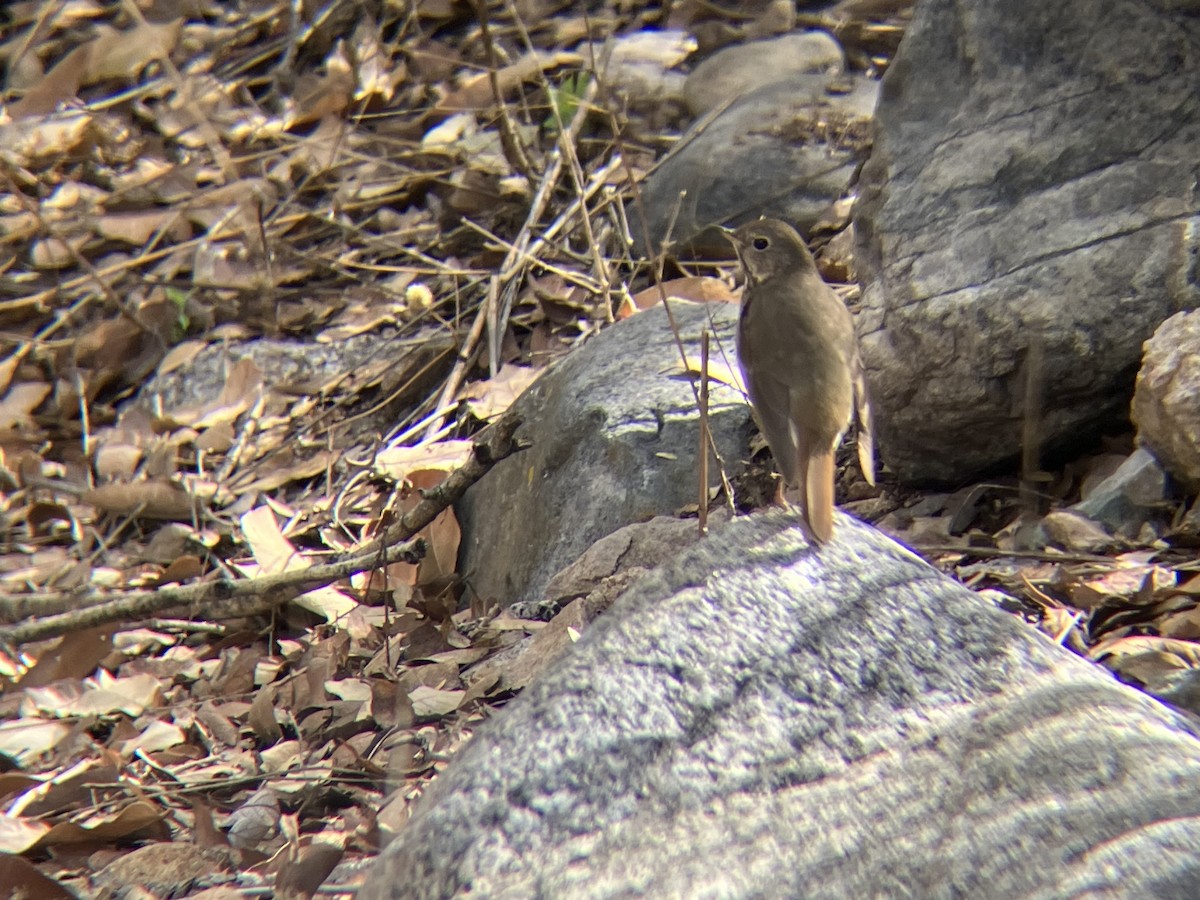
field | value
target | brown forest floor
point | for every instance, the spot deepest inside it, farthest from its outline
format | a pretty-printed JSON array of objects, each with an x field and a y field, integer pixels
[{"x": 435, "y": 207}]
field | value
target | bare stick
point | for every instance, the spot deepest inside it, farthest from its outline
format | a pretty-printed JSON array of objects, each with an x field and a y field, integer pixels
[
  {"x": 509, "y": 142},
  {"x": 458, "y": 374},
  {"x": 1031, "y": 442},
  {"x": 702, "y": 450}
]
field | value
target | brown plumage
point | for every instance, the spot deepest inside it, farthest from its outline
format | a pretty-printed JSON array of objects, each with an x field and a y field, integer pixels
[{"x": 800, "y": 362}]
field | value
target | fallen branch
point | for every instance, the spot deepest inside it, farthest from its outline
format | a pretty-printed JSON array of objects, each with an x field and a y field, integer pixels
[{"x": 235, "y": 599}]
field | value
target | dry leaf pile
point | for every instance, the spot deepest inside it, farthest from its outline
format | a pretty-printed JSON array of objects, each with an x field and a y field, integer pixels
[{"x": 265, "y": 271}]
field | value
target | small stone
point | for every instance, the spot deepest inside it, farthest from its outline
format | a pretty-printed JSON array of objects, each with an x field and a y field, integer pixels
[
  {"x": 788, "y": 149},
  {"x": 871, "y": 509},
  {"x": 736, "y": 71},
  {"x": 1072, "y": 531},
  {"x": 1133, "y": 495},
  {"x": 1166, "y": 401},
  {"x": 639, "y": 66}
]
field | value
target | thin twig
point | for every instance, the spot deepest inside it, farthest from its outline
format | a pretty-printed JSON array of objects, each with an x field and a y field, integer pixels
[
  {"x": 509, "y": 142},
  {"x": 702, "y": 450},
  {"x": 992, "y": 552},
  {"x": 465, "y": 355},
  {"x": 567, "y": 134},
  {"x": 1031, "y": 443},
  {"x": 588, "y": 284},
  {"x": 514, "y": 264},
  {"x": 657, "y": 256},
  {"x": 598, "y": 182}
]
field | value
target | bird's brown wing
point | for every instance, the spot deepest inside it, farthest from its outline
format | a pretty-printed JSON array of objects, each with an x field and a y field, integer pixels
[
  {"x": 866, "y": 426},
  {"x": 772, "y": 404}
]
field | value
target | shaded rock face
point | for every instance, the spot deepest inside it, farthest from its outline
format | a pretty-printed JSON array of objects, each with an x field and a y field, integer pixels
[
  {"x": 759, "y": 718},
  {"x": 613, "y": 429},
  {"x": 1029, "y": 181}
]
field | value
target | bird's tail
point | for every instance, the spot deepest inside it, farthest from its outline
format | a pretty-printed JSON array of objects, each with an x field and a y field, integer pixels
[{"x": 818, "y": 495}]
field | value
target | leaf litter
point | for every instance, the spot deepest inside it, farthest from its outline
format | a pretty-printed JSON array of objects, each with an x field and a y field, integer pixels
[{"x": 263, "y": 278}]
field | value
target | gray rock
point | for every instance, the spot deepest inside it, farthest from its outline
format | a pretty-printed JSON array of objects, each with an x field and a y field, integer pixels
[
  {"x": 759, "y": 718},
  {"x": 1069, "y": 530},
  {"x": 1166, "y": 402},
  {"x": 292, "y": 364},
  {"x": 1187, "y": 534},
  {"x": 786, "y": 150},
  {"x": 579, "y": 593},
  {"x": 638, "y": 66},
  {"x": 614, "y": 431},
  {"x": 610, "y": 565},
  {"x": 734, "y": 71},
  {"x": 1181, "y": 689},
  {"x": 162, "y": 869},
  {"x": 1027, "y": 181},
  {"x": 1134, "y": 494}
]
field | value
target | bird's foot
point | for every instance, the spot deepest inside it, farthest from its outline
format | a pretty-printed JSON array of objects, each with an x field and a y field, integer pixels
[{"x": 780, "y": 499}]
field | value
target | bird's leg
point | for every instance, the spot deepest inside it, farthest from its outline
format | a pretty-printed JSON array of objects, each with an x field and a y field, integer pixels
[{"x": 781, "y": 499}]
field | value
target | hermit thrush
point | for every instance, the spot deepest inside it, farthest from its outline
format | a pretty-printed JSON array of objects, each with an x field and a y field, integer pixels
[{"x": 801, "y": 365}]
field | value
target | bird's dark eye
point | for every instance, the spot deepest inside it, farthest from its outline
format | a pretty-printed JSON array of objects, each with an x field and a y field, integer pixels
[{"x": 761, "y": 243}]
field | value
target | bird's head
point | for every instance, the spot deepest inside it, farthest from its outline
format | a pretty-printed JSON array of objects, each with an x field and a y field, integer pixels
[{"x": 768, "y": 247}]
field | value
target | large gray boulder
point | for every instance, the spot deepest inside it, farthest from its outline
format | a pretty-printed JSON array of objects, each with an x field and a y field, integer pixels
[
  {"x": 1032, "y": 179},
  {"x": 759, "y": 718}
]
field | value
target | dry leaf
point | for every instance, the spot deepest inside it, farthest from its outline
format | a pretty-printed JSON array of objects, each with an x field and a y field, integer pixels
[
  {"x": 241, "y": 390},
  {"x": 431, "y": 703},
  {"x": 17, "y": 408},
  {"x": 183, "y": 569},
  {"x": 489, "y": 399},
  {"x": 255, "y": 821},
  {"x": 441, "y": 559},
  {"x": 145, "y": 499},
  {"x": 1174, "y": 653},
  {"x": 182, "y": 354},
  {"x": 61, "y": 83},
  {"x": 274, "y": 554},
  {"x": 137, "y": 228},
  {"x": 101, "y": 696},
  {"x": 76, "y": 655},
  {"x": 718, "y": 371},
  {"x": 283, "y": 471},
  {"x": 694, "y": 289},
  {"x": 123, "y": 54},
  {"x": 261, "y": 717},
  {"x": 21, "y": 877},
  {"x": 105, "y": 825},
  {"x": 399, "y": 463},
  {"x": 58, "y": 252},
  {"x": 32, "y": 141},
  {"x": 476, "y": 91},
  {"x": 30, "y": 737},
  {"x": 303, "y": 876},
  {"x": 1184, "y": 625}
]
